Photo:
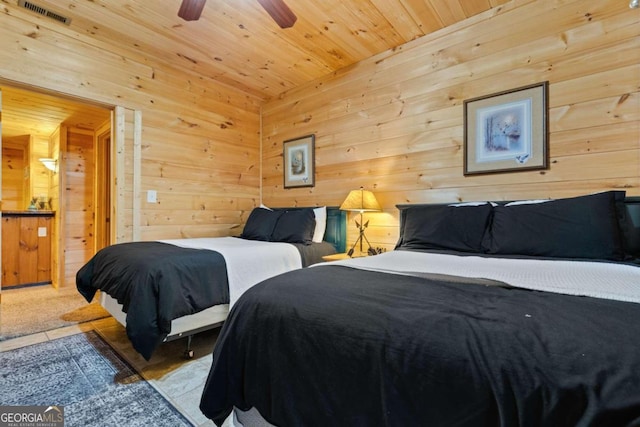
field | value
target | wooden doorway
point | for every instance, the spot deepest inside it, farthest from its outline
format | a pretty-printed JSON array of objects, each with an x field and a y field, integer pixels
[
  {"x": 103, "y": 230},
  {"x": 49, "y": 120}
]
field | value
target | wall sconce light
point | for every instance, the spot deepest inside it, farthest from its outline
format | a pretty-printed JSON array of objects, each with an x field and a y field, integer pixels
[
  {"x": 634, "y": 4},
  {"x": 51, "y": 164},
  {"x": 360, "y": 201}
]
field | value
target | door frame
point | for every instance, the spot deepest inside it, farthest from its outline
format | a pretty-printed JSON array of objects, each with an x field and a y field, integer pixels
[{"x": 103, "y": 189}]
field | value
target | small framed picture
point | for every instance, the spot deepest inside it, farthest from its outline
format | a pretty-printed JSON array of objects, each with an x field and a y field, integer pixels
[
  {"x": 506, "y": 131},
  {"x": 299, "y": 162}
]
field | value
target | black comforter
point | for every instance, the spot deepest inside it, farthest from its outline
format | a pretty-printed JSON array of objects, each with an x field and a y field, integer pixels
[
  {"x": 344, "y": 347},
  {"x": 162, "y": 281}
]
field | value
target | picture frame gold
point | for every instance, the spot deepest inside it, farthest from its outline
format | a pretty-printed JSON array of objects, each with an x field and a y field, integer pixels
[
  {"x": 507, "y": 131},
  {"x": 299, "y": 162}
]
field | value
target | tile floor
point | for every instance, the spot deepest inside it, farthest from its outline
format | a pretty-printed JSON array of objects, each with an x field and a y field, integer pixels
[{"x": 179, "y": 380}]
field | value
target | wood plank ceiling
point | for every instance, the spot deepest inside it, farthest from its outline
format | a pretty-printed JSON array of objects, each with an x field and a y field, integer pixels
[
  {"x": 237, "y": 43},
  {"x": 30, "y": 113}
]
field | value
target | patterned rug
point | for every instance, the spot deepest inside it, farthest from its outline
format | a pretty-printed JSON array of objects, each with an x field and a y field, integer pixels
[
  {"x": 47, "y": 307},
  {"x": 88, "y": 378}
]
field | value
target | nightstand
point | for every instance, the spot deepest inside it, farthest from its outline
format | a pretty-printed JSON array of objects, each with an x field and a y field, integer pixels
[{"x": 338, "y": 257}]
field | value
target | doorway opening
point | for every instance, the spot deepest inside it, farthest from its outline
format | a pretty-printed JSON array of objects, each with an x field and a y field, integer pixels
[{"x": 77, "y": 134}]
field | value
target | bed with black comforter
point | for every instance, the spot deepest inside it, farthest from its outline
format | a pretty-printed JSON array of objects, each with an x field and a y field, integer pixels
[
  {"x": 163, "y": 281},
  {"x": 157, "y": 282},
  {"x": 463, "y": 325}
]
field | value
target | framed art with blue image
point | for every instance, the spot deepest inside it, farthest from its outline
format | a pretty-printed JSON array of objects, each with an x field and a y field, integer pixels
[{"x": 507, "y": 131}]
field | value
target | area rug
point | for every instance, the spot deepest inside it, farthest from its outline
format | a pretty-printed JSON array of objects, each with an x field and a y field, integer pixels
[
  {"x": 85, "y": 376},
  {"x": 34, "y": 309}
]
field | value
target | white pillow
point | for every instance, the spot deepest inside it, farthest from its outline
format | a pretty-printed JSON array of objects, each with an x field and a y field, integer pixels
[
  {"x": 321, "y": 224},
  {"x": 463, "y": 204},
  {"x": 528, "y": 202}
]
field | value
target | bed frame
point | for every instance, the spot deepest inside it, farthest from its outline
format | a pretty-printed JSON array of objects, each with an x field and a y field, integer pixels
[{"x": 213, "y": 317}]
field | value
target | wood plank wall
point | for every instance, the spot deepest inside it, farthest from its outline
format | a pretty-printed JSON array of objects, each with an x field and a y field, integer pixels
[
  {"x": 15, "y": 182},
  {"x": 393, "y": 124},
  {"x": 123, "y": 200},
  {"x": 200, "y": 140},
  {"x": 79, "y": 200},
  {"x": 40, "y": 175},
  {"x": 23, "y": 178}
]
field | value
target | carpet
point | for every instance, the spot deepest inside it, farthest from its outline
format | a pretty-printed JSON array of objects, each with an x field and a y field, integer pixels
[
  {"x": 34, "y": 309},
  {"x": 89, "y": 379}
]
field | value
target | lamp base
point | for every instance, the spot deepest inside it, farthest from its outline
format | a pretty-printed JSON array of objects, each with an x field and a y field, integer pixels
[
  {"x": 353, "y": 252},
  {"x": 358, "y": 254}
]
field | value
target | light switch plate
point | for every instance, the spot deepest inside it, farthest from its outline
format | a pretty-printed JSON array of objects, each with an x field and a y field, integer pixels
[
  {"x": 152, "y": 196},
  {"x": 42, "y": 231}
]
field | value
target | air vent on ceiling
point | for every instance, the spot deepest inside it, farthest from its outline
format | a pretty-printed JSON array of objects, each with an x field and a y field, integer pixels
[{"x": 44, "y": 11}]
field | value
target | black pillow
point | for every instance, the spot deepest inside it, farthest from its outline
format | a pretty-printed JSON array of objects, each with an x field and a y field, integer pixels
[
  {"x": 260, "y": 224},
  {"x": 448, "y": 227},
  {"x": 295, "y": 226},
  {"x": 578, "y": 227}
]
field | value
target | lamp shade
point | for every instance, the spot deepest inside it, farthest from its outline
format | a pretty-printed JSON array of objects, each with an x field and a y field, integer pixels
[
  {"x": 360, "y": 200},
  {"x": 50, "y": 164}
]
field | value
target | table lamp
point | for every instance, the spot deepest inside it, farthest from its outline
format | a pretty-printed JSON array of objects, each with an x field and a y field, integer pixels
[{"x": 361, "y": 201}]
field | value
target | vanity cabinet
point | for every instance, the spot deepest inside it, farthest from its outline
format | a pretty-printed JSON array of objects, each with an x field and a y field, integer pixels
[{"x": 26, "y": 247}]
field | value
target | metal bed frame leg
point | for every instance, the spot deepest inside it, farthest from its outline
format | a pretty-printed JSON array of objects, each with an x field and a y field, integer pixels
[{"x": 188, "y": 353}]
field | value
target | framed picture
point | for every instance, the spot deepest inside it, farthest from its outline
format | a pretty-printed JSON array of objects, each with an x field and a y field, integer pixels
[
  {"x": 299, "y": 162},
  {"x": 506, "y": 131}
]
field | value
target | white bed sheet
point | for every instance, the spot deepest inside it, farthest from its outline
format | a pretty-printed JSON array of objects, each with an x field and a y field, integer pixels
[
  {"x": 595, "y": 279},
  {"x": 248, "y": 261}
]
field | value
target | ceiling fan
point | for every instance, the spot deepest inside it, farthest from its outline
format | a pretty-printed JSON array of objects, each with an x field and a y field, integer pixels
[{"x": 190, "y": 10}]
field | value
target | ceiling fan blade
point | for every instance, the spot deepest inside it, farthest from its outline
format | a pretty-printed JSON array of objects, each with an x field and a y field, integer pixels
[
  {"x": 280, "y": 12},
  {"x": 190, "y": 10}
]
